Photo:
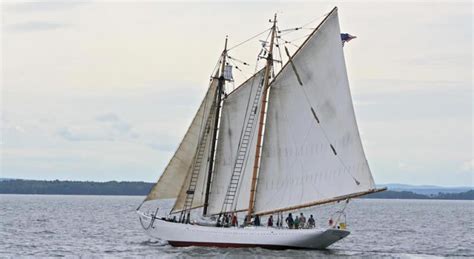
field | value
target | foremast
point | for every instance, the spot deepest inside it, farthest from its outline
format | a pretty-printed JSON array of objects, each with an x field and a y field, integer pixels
[
  {"x": 266, "y": 83},
  {"x": 220, "y": 91}
]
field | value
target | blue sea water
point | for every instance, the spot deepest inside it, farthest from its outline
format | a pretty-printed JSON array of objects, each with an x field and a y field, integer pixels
[{"x": 107, "y": 226}]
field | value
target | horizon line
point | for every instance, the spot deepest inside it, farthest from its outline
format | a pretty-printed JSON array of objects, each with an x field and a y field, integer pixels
[{"x": 105, "y": 181}]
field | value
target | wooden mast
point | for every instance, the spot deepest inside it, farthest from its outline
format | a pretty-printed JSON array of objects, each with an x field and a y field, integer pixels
[
  {"x": 266, "y": 82},
  {"x": 220, "y": 90}
]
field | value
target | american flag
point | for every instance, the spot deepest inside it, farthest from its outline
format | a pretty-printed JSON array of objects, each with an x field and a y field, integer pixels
[{"x": 346, "y": 37}]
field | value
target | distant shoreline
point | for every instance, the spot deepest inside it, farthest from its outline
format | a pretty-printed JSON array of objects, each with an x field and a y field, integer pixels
[
  {"x": 408, "y": 195},
  {"x": 17, "y": 186},
  {"x": 114, "y": 188}
]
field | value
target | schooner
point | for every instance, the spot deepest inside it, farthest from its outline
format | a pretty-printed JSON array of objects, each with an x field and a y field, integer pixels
[{"x": 277, "y": 143}]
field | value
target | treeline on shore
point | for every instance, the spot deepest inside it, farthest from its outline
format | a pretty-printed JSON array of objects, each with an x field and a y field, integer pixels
[
  {"x": 469, "y": 195},
  {"x": 16, "y": 186},
  {"x": 74, "y": 187}
]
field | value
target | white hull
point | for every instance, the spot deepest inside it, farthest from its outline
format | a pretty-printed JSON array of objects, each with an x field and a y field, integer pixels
[{"x": 178, "y": 234}]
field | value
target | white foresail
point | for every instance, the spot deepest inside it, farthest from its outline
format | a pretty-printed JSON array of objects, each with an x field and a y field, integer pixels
[
  {"x": 200, "y": 189},
  {"x": 235, "y": 108},
  {"x": 299, "y": 165},
  {"x": 172, "y": 180}
]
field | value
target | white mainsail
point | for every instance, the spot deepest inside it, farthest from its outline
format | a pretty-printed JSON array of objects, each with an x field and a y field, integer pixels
[
  {"x": 171, "y": 182},
  {"x": 235, "y": 109},
  {"x": 299, "y": 162}
]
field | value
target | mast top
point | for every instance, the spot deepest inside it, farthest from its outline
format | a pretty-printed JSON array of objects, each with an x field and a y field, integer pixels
[
  {"x": 272, "y": 40},
  {"x": 224, "y": 55}
]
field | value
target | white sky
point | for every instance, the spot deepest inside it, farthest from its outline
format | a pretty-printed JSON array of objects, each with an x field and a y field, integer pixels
[{"x": 105, "y": 90}]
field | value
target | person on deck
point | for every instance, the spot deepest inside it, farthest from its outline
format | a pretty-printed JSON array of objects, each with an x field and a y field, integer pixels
[
  {"x": 297, "y": 223},
  {"x": 246, "y": 221},
  {"x": 235, "y": 223},
  {"x": 257, "y": 221},
  {"x": 289, "y": 221},
  {"x": 188, "y": 218},
  {"x": 219, "y": 220},
  {"x": 229, "y": 219},
  {"x": 270, "y": 221},
  {"x": 311, "y": 222},
  {"x": 226, "y": 220},
  {"x": 302, "y": 220}
]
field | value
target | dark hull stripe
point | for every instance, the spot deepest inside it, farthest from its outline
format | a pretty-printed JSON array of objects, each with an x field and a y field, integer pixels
[{"x": 233, "y": 245}]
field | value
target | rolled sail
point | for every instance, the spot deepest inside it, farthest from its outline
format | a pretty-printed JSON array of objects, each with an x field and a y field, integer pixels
[
  {"x": 312, "y": 150},
  {"x": 235, "y": 111},
  {"x": 173, "y": 178}
]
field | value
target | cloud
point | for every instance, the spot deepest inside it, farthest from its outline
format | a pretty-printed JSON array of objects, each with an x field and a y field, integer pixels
[
  {"x": 166, "y": 147},
  {"x": 412, "y": 167},
  {"x": 394, "y": 86},
  {"x": 108, "y": 117},
  {"x": 105, "y": 127},
  {"x": 402, "y": 165},
  {"x": 359, "y": 103},
  {"x": 78, "y": 134},
  {"x": 14, "y": 128},
  {"x": 441, "y": 60},
  {"x": 35, "y": 26},
  {"x": 41, "y": 6},
  {"x": 468, "y": 165},
  {"x": 115, "y": 122}
]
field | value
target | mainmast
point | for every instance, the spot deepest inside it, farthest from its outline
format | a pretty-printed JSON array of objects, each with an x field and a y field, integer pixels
[
  {"x": 220, "y": 90},
  {"x": 266, "y": 82}
]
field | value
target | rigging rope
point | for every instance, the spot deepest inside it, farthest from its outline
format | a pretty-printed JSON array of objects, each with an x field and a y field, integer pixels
[
  {"x": 238, "y": 60},
  {"x": 216, "y": 66},
  {"x": 300, "y": 38},
  {"x": 249, "y": 39},
  {"x": 153, "y": 217},
  {"x": 279, "y": 51},
  {"x": 315, "y": 19},
  {"x": 289, "y": 42},
  {"x": 240, "y": 70},
  {"x": 290, "y": 30}
]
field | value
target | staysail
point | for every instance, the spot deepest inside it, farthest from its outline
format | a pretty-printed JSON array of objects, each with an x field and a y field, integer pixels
[
  {"x": 312, "y": 149},
  {"x": 199, "y": 169},
  {"x": 171, "y": 182},
  {"x": 235, "y": 110}
]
